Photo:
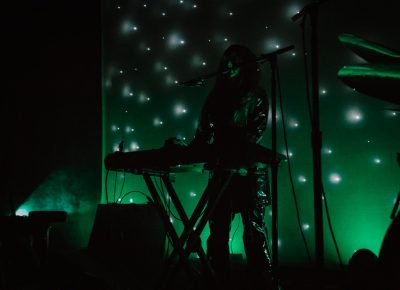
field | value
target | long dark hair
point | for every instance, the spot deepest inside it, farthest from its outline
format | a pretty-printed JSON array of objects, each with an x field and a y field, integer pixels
[
  {"x": 249, "y": 74},
  {"x": 233, "y": 92}
]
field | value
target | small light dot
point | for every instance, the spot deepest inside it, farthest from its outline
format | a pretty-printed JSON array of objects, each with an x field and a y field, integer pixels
[
  {"x": 148, "y": 49},
  {"x": 134, "y": 146},
  {"x": 135, "y": 28},
  {"x": 193, "y": 194},
  {"x": 302, "y": 179},
  {"x": 277, "y": 46},
  {"x": 131, "y": 94},
  {"x": 306, "y": 226},
  {"x": 119, "y": 7},
  {"x": 377, "y": 161},
  {"x": 204, "y": 63},
  {"x": 131, "y": 200},
  {"x": 145, "y": 5},
  {"x": 323, "y": 92},
  {"x": 194, "y": 6},
  {"x": 225, "y": 39},
  {"x": 182, "y": 42},
  {"x": 121, "y": 72},
  {"x": 353, "y": 116},
  {"x": 163, "y": 14},
  {"x": 293, "y": 124},
  {"x": 293, "y": 54},
  {"x": 165, "y": 68},
  {"x": 335, "y": 178},
  {"x": 230, "y": 13}
]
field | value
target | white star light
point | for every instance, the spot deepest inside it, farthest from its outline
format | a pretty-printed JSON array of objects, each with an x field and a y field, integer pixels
[
  {"x": 293, "y": 123},
  {"x": 134, "y": 146},
  {"x": 179, "y": 109},
  {"x": 302, "y": 179},
  {"x": 377, "y": 160},
  {"x": 157, "y": 122},
  {"x": 129, "y": 129},
  {"x": 175, "y": 40},
  {"x": 126, "y": 91},
  {"x": 335, "y": 178},
  {"x": 114, "y": 128},
  {"x": 127, "y": 27},
  {"x": 354, "y": 115}
]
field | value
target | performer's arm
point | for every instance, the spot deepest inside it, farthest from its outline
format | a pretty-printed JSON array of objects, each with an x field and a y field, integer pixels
[
  {"x": 205, "y": 131},
  {"x": 258, "y": 123}
]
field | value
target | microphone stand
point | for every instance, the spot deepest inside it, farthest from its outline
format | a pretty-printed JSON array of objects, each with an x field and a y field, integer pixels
[
  {"x": 199, "y": 81},
  {"x": 273, "y": 58},
  {"x": 316, "y": 135}
]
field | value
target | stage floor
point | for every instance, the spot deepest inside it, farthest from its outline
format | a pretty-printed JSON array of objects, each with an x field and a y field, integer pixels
[{"x": 80, "y": 270}]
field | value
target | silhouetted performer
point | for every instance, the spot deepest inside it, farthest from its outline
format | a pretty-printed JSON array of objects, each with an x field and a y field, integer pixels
[{"x": 233, "y": 119}]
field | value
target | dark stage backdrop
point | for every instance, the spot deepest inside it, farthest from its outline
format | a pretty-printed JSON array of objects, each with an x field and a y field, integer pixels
[
  {"x": 51, "y": 112},
  {"x": 149, "y": 46}
]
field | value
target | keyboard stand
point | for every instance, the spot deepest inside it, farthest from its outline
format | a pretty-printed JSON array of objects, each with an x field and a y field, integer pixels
[{"x": 189, "y": 241}]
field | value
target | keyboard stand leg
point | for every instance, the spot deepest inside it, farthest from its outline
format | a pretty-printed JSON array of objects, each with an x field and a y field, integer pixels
[
  {"x": 170, "y": 228},
  {"x": 192, "y": 233}
]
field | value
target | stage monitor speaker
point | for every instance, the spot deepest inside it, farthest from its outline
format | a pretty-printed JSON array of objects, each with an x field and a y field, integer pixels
[{"x": 128, "y": 235}]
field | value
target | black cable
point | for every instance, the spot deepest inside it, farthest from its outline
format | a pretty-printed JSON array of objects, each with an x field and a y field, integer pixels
[
  {"x": 168, "y": 201},
  {"x": 331, "y": 229},
  {"x": 165, "y": 204},
  {"x": 108, "y": 171},
  {"x": 290, "y": 168},
  {"x": 115, "y": 183},
  {"x": 306, "y": 69},
  {"x": 234, "y": 233},
  {"x": 122, "y": 187},
  {"x": 136, "y": 191}
]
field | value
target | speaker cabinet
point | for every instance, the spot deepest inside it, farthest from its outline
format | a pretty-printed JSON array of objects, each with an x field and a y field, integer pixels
[{"x": 129, "y": 235}]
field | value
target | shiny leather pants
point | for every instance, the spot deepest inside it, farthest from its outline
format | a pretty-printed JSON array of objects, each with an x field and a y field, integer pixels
[{"x": 247, "y": 195}]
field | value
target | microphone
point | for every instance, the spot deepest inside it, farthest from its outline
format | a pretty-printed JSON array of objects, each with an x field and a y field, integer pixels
[{"x": 199, "y": 82}]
